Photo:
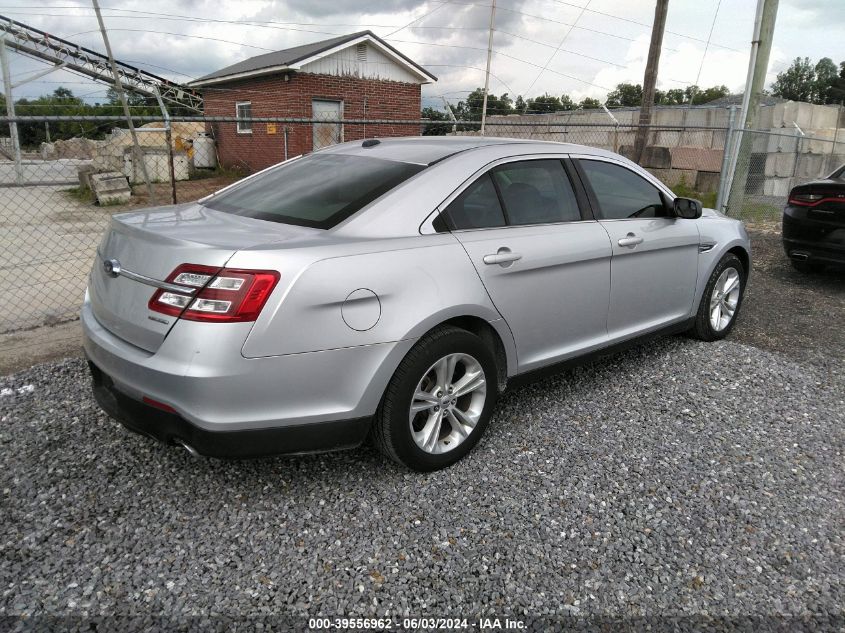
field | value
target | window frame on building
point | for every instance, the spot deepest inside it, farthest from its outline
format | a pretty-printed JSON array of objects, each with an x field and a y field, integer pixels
[{"x": 243, "y": 127}]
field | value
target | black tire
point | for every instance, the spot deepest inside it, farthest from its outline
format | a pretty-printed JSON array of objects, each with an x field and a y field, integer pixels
[
  {"x": 702, "y": 328},
  {"x": 391, "y": 431},
  {"x": 806, "y": 267}
]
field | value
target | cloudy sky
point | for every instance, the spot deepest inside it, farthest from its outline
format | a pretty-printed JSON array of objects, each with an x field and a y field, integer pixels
[{"x": 579, "y": 47}]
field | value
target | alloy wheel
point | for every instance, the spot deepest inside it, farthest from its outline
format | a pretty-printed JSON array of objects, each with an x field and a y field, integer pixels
[
  {"x": 447, "y": 403},
  {"x": 725, "y": 299}
]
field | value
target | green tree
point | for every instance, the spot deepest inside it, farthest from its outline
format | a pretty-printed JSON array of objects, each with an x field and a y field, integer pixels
[
  {"x": 588, "y": 103},
  {"x": 544, "y": 104},
  {"x": 470, "y": 110},
  {"x": 566, "y": 103},
  {"x": 519, "y": 105},
  {"x": 826, "y": 79},
  {"x": 837, "y": 87},
  {"x": 134, "y": 99},
  {"x": 434, "y": 114},
  {"x": 625, "y": 95},
  {"x": 798, "y": 82}
]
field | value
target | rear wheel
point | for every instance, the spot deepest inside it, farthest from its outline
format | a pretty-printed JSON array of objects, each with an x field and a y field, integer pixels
[
  {"x": 438, "y": 402},
  {"x": 721, "y": 300}
]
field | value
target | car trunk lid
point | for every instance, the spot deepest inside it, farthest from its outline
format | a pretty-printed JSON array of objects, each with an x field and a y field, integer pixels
[{"x": 147, "y": 246}]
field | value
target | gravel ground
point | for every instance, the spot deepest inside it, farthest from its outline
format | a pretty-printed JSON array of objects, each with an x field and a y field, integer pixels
[
  {"x": 681, "y": 479},
  {"x": 783, "y": 310}
]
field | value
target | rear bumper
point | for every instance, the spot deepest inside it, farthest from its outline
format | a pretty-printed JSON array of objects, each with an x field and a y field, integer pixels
[
  {"x": 171, "y": 428},
  {"x": 812, "y": 239},
  {"x": 200, "y": 373}
]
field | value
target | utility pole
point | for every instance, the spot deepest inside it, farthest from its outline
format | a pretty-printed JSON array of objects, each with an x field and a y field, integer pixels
[
  {"x": 650, "y": 79},
  {"x": 139, "y": 155},
  {"x": 489, "y": 58},
  {"x": 10, "y": 111},
  {"x": 758, "y": 64}
]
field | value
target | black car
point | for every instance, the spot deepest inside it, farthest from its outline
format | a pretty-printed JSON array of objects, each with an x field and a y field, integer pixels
[{"x": 814, "y": 223}]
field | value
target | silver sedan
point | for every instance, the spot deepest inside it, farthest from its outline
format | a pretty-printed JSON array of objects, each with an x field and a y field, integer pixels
[{"x": 393, "y": 288}]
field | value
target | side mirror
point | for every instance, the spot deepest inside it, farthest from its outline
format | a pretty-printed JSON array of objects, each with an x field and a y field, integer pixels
[{"x": 687, "y": 208}]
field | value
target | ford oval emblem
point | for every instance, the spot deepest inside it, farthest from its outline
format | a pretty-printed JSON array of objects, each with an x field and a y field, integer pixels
[{"x": 112, "y": 267}]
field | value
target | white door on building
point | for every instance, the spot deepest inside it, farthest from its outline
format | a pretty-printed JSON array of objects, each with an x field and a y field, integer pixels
[{"x": 326, "y": 134}]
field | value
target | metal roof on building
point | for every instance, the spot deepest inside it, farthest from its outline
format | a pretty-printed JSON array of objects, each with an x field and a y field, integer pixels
[{"x": 291, "y": 58}]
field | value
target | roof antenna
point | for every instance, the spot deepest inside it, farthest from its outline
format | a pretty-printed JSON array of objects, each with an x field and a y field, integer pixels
[{"x": 370, "y": 142}]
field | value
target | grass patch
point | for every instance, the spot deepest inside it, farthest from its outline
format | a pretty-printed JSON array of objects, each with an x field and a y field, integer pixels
[
  {"x": 707, "y": 198},
  {"x": 81, "y": 194}
]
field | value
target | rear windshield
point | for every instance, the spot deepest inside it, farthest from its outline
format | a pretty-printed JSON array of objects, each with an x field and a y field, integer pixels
[{"x": 319, "y": 190}]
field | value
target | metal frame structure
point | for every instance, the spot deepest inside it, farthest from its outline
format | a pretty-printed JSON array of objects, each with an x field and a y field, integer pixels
[{"x": 38, "y": 44}]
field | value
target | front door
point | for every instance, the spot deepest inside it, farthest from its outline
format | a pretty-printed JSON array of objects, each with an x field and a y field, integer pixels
[
  {"x": 545, "y": 264},
  {"x": 655, "y": 255},
  {"x": 329, "y": 133}
]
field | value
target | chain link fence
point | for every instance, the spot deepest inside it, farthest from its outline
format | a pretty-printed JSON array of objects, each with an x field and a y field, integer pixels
[
  {"x": 770, "y": 163},
  {"x": 73, "y": 173}
]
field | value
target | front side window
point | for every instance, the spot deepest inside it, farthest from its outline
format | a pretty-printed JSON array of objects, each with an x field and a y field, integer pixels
[
  {"x": 621, "y": 193},
  {"x": 319, "y": 190},
  {"x": 243, "y": 111}
]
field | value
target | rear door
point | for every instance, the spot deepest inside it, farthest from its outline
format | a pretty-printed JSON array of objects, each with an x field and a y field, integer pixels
[
  {"x": 655, "y": 256},
  {"x": 544, "y": 260}
]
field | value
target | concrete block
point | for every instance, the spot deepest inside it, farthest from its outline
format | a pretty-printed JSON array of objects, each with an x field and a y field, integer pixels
[
  {"x": 785, "y": 140},
  {"x": 824, "y": 116},
  {"x": 84, "y": 173},
  {"x": 697, "y": 158},
  {"x": 667, "y": 138},
  {"x": 791, "y": 112},
  {"x": 672, "y": 177},
  {"x": 111, "y": 188},
  {"x": 780, "y": 165},
  {"x": 707, "y": 181},
  {"x": 810, "y": 166},
  {"x": 700, "y": 138},
  {"x": 657, "y": 157},
  {"x": 766, "y": 117},
  {"x": 778, "y": 187},
  {"x": 157, "y": 165}
]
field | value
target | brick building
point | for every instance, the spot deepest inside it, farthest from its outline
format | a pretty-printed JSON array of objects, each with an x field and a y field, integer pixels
[{"x": 357, "y": 76}]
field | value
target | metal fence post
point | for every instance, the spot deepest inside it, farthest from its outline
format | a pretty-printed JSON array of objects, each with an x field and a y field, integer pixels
[
  {"x": 10, "y": 111},
  {"x": 724, "y": 175},
  {"x": 168, "y": 138}
]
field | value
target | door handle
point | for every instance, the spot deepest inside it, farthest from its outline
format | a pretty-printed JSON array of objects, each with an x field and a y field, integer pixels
[
  {"x": 504, "y": 257},
  {"x": 630, "y": 240}
]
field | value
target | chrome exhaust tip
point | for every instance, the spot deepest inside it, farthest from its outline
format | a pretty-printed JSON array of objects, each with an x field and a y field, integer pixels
[{"x": 191, "y": 450}]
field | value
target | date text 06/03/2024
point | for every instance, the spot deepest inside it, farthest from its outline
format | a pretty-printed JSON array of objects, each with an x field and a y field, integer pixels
[{"x": 484, "y": 624}]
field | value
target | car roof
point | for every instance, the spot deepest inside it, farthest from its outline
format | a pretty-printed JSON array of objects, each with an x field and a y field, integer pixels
[{"x": 425, "y": 150}]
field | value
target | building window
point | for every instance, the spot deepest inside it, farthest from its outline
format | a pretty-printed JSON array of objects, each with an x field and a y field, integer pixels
[{"x": 243, "y": 111}]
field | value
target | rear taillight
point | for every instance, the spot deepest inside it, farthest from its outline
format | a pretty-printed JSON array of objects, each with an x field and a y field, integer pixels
[
  {"x": 223, "y": 296},
  {"x": 806, "y": 199}
]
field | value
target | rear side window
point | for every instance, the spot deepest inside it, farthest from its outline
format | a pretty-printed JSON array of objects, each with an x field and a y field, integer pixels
[
  {"x": 621, "y": 193},
  {"x": 514, "y": 194},
  {"x": 536, "y": 192},
  {"x": 477, "y": 207},
  {"x": 319, "y": 190}
]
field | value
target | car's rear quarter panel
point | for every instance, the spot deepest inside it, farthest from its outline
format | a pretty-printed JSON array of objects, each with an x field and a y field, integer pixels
[{"x": 418, "y": 281}]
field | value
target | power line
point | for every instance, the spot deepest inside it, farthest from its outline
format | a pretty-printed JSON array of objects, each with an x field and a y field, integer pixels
[
  {"x": 701, "y": 66},
  {"x": 638, "y": 23},
  {"x": 562, "y": 41},
  {"x": 425, "y": 15}
]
